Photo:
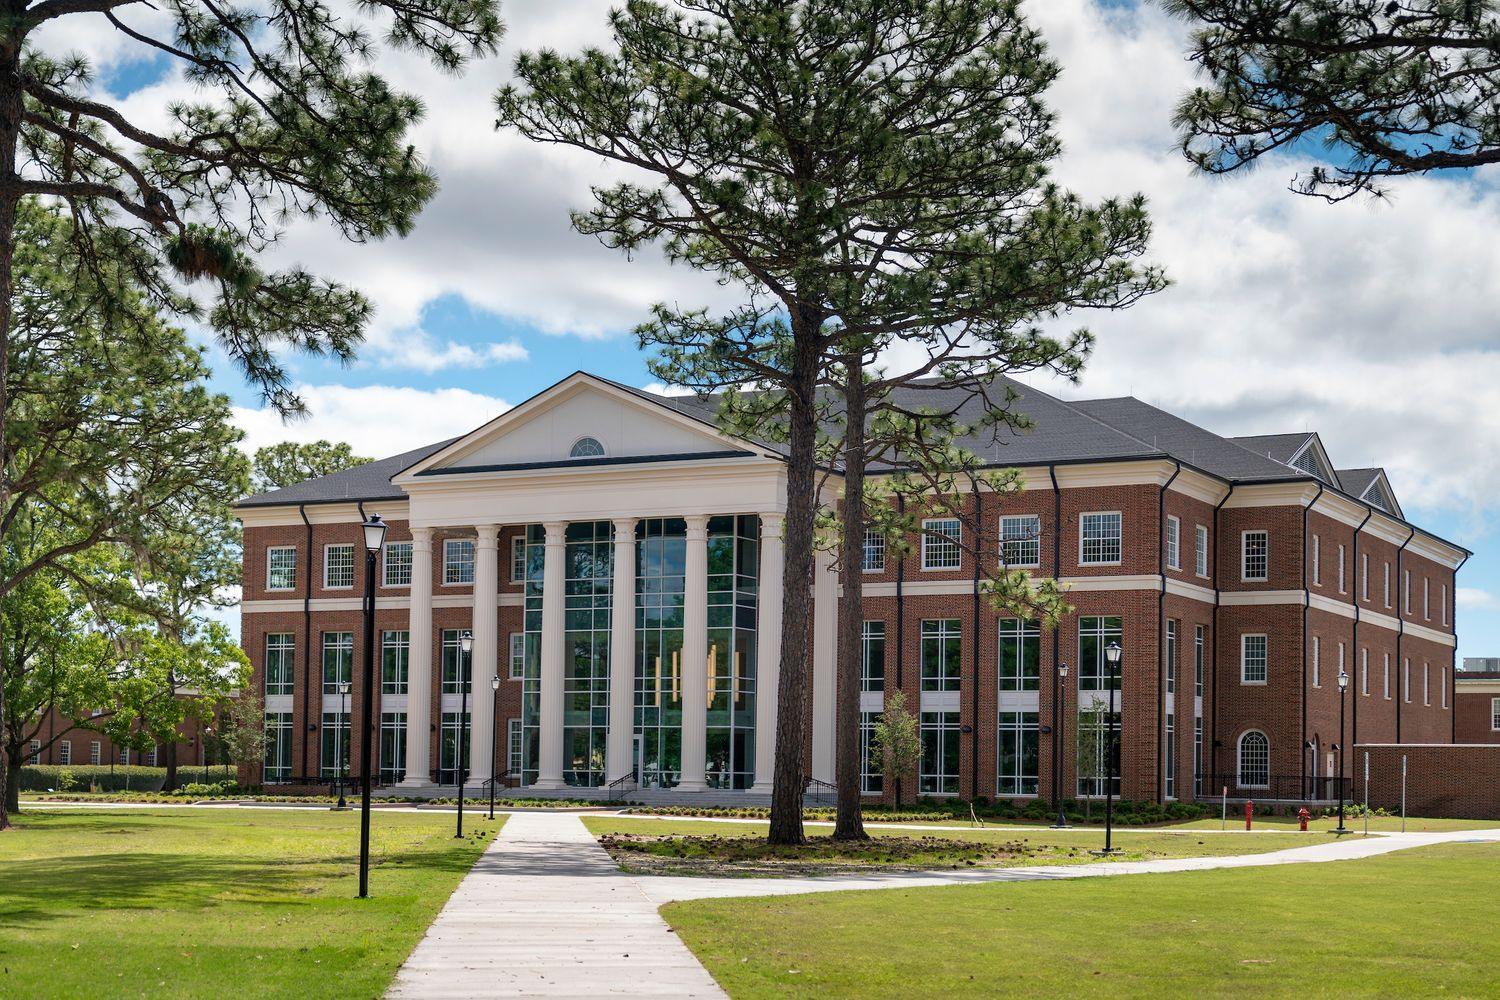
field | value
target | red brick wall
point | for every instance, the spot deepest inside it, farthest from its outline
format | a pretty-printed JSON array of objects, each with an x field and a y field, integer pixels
[
  {"x": 1474, "y": 716},
  {"x": 1457, "y": 780}
]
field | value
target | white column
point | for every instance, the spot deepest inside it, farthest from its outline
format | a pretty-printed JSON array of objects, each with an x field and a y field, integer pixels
[
  {"x": 695, "y": 656},
  {"x": 768, "y": 650},
  {"x": 486, "y": 652},
  {"x": 618, "y": 757},
  {"x": 825, "y": 655},
  {"x": 550, "y": 766},
  {"x": 419, "y": 663}
]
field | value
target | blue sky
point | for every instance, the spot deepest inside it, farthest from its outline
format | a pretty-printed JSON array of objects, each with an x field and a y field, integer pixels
[{"x": 1371, "y": 325}]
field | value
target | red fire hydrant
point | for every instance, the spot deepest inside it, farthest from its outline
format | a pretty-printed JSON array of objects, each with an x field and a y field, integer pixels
[
  {"x": 1303, "y": 815},
  {"x": 1249, "y": 811}
]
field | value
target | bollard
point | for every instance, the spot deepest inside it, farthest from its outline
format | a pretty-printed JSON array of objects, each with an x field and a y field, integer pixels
[{"x": 1249, "y": 812}]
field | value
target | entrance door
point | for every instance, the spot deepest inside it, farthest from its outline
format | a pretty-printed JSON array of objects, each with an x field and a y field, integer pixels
[{"x": 639, "y": 746}]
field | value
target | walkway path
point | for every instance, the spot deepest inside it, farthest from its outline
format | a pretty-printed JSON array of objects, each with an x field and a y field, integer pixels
[{"x": 545, "y": 912}]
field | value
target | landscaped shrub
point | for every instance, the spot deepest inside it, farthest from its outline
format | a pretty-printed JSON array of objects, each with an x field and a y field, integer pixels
[{"x": 119, "y": 778}]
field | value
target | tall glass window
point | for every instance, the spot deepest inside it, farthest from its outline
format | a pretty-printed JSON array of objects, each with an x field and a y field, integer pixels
[
  {"x": 939, "y": 774},
  {"x": 397, "y": 564},
  {"x": 1198, "y": 756},
  {"x": 1098, "y": 757},
  {"x": 1018, "y": 750},
  {"x": 1095, "y": 633},
  {"x": 1021, "y": 540},
  {"x": 395, "y": 653},
  {"x": 587, "y": 567},
  {"x": 281, "y": 567},
  {"x": 453, "y": 746},
  {"x": 335, "y": 744},
  {"x": 942, "y": 543},
  {"x": 872, "y": 656},
  {"x": 872, "y": 554},
  {"x": 1169, "y": 651},
  {"x": 941, "y": 654},
  {"x": 281, "y": 649},
  {"x": 458, "y": 561},
  {"x": 458, "y": 671},
  {"x": 1171, "y": 752},
  {"x": 392, "y": 747},
  {"x": 1020, "y": 655},
  {"x": 871, "y": 771},
  {"x": 661, "y": 555},
  {"x": 338, "y": 660},
  {"x": 278, "y": 765},
  {"x": 533, "y": 557},
  {"x": 733, "y": 579},
  {"x": 1200, "y": 643}
]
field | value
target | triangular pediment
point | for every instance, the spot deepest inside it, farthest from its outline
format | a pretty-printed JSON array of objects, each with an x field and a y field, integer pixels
[{"x": 582, "y": 422}]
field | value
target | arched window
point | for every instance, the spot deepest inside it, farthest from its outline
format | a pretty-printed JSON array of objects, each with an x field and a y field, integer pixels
[
  {"x": 586, "y": 447},
  {"x": 1255, "y": 760}
]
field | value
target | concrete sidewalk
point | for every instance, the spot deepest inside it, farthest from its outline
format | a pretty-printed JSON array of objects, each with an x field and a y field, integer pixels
[{"x": 545, "y": 912}]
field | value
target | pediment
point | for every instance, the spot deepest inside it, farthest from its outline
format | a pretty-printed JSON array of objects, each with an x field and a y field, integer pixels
[{"x": 558, "y": 428}]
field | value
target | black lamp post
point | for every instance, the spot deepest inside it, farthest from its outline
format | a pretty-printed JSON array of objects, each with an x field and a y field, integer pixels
[
  {"x": 343, "y": 736},
  {"x": 1343, "y": 691},
  {"x": 494, "y": 731},
  {"x": 374, "y": 530},
  {"x": 465, "y": 673},
  {"x": 1059, "y": 690},
  {"x": 1113, "y": 654}
]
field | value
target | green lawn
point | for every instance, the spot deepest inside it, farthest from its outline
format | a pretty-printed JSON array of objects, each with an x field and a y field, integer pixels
[
  {"x": 724, "y": 848},
  {"x": 192, "y": 903},
  {"x": 1378, "y": 824},
  {"x": 1413, "y": 923}
]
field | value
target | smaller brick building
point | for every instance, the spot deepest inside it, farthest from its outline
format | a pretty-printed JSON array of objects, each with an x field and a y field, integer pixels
[
  {"x": 1476, "y": 716},
  {"x": 57, "y": 740}
]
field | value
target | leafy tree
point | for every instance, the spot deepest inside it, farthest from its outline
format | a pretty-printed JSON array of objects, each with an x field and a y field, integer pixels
[
  {"x": 866, "y": 172},
  {"x": 896, "y": 740},
  {"x": 281, "y": 465},
  {"x": 1091, "y": 754},
  {"x": 1384, "y": 87},
  {"x": 242, "y": 730}
]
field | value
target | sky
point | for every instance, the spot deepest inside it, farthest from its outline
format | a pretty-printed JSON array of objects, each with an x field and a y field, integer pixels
[{"x": 1370, "y": 323}]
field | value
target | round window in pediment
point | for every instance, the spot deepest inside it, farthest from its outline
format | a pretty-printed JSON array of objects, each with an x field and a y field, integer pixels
[{"x": 586, "y": 447}]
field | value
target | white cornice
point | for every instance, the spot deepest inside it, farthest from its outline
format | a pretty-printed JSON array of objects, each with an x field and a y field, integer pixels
[
  {"x": 1199, "y": 486},
  {"x": 1439, "y": 552},
  {"x": 1294, "y": 494},
  {"x": 1254, "y": 598},
  {"x": 1190, "y": 590},
  {"x": 1487, "y": 686},
  {"x": 1152, "y": 472},
  {"x": 321, "y": 513},
  {"x": 1430, "y": 634}
]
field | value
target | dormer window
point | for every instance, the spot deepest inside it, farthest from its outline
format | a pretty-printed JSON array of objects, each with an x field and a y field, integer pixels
[
  {"x": 1376, "y": 497},
  {"x": 586, "y": 447},
  {"x": 1310, "y": 461}
]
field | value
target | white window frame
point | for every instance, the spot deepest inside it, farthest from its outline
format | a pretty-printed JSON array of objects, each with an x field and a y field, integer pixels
[
  {"x": 386, "y": 565},
  {"x": 516, "y": 669},
  {"x": 96, "y": 753},
  {"x": 1200, "y": 553},
  {"x": 1426, "y": 683},
  {"x": 1317, "y": 561},
  {"x": 1342, "y": 590},
  {"x": 1364, "y": 576},
  {"x": 1406, "y": 679},
  {"x": 64, "y": 751},
  {"x": 1265, "y": 665},
  {"x": 1245, "y": 575},
  {"x": 1119, "y": 538},
  {"x": 1239, "y": 759},
  {"x": 449, "y": 546},
  {"x": 930, "y": 542},
  {"x": 1406, "y": 591},
  {"x": 1364, "y": 671},
  {"x": 35, "y": 756},
  {"x": 1443, "y": 684},
  {"x": 1317, "y": 666},
  {"x": 270, "y": 559},
  {"x": 1494, "y": 717},
  {"x": 1427, "y": 598},
  {"x": 518, "y": 558},
  {"x": 1443, "y": 601},
  {"x": 1031, "y": 538},
  {"x": 328, "y": 550},
  {"x": 513, "y": 754},
  {"x": 1386, "y": 586},
  {"x": 872, "y": 551},
  {"x": 1174, "y": 542},
  {"x": 1386, "y": 675}
]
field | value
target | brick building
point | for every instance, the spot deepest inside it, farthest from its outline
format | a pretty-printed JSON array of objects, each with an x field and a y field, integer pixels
[
  {"x": 54, "y": 739},
  {"x": 1240, "y": 576},
  {"x": 1477, "y": 702}
]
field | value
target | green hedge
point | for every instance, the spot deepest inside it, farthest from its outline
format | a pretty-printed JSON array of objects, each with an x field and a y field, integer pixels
[{"x": 120, "y": 778}]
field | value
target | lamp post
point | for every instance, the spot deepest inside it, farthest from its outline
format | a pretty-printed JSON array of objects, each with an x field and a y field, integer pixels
[
  {"x": 342, "y": 736},
  {"x": 374, "y": 530},
  {"x": 1113, "y": 654},
  {"x": 494, "y": 729},
  {"x": 465, "y": 672},
  {"x": 1343, "y": 692},
  {"x": 1059, "y": 689}
]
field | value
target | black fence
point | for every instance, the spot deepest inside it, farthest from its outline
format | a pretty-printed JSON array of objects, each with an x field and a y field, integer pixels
[{"x": 1276, "y": 787}]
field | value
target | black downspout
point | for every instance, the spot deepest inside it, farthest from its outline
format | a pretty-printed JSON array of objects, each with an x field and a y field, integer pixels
[
  {"x": 1401, "y": 595},
  {"x": 367, "y": 734},
  {"x": 307, "y": 656},
  {"x": 1306, "y": 603},
  {"x": 900, "y": 619},
  {"x": 1361, "y": 582},
  {"x": 1453, "y": 663},
  {"x": 1058, "y": 694},
  {"x": 1213, "y": 725},
  {"x": 978, "y": 559},
  {"x": 1161, "y": 631}
]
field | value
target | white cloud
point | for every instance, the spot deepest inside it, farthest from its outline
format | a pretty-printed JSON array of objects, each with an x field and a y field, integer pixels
[
  {"x": 418, "y": 350},
  {"x": 377, "y": 421},
  {"x": 660, "y": 389},
  {"x": 1474, "y": 599}
]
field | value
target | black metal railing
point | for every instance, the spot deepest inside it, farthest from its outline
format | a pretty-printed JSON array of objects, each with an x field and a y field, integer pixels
[
  {"x": 1276, "y": 787},
  {"x": 616, "y": 788},
  {"x": 820, "y": 792}
]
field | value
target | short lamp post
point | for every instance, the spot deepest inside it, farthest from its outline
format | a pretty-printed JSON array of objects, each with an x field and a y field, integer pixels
[
  {"x": 1059, "y": 692},
  {"x": 1113, "y": 654},
  {"x": 1343, "y": 693},
  {"x": 374, "y": 530},
  {"x": 343, "y": 736},
  {"x": 465, "y": 673},
  {"x": 494, "y": 729}
]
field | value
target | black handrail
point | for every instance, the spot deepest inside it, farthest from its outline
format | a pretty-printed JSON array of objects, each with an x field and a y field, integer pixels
[
  {"x": 815, "y": 788},
  {"x": 615, "y": 788}
]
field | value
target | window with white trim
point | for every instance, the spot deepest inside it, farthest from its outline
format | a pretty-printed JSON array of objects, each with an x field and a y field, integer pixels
[
  {"x": 280, "y": 662},
  {"x": 518, "y": 558},
  {"x": 458, "y": 561},
  {"x": 36, "y": 752},
  {"x": 1406, "y": 680},
  {"x": 586, "y": 447},
  {"x": 942, "y": 661},
  {"x": 1099, "y": 538},
  {"x": 1406, "y": 591},
  {"x": 1317, "y": 561},
  {"x": 1174, "y": 547},
  {"x": 1020, "y": 655},
  {"x": 1017, "y": 750},
  {"x": 1169, "y": 654},
  {"x": 1364, "y": 671},
  {"x": 1385, "y": 671},
  {"x": 1364, "y": 576},
  {"x": 281, "y": 567},
  {"x": 1494, "y": 718},
  {"x": 1095, "y": 633},
  {"x": 1317, "y": 667},
  {"x": 514, "y": 736},
  {"x": 871, "y": 777},
  {"x": 1426, "y": 596},
  {"x": 1341, "y": 570},
  {"x": 1443, "y": 684},
  {"x": 517, "y": 656},
  {"x": 395, "y": 659},
  {"x": 1254, "y": 760},
  {"x": 1426, "y": 683},
  {"x": 96, "y": 753},
  {"x": 1386, "y": 583},
  {"x": 1255, "y": 555},
  {"x": 872, "y": 655},
  {"x": 872, "y": 554},
  {"x": 1341, "y": 659},
  {"x": 1443, "y": 600},
  {"x": 338, "y": 567},
  {"x": 942, "y": 543},
  {"x": 1170, "y": 782},
  {"x": 1200, "y": 644},
  {"x": 938, "y": 774},
  {"x": 1021, "y": 540},
  {"x": 1200, "y": 550},
  {"x": 65, "y": 752},
  {"x": 397, "y": 564},
  {"x": 1253, "y": 658}
]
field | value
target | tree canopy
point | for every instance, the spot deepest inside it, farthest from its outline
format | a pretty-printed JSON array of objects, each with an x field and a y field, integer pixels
[{"x": 278, "y": 466}]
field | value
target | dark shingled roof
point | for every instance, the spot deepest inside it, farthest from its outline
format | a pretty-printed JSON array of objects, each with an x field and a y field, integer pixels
[
  {"x": 1186, "y": 442},
  {"x": 1280, "y": 447},
  {"x": 371, "y": 481},
  {"x": 1356, "y": 481}
]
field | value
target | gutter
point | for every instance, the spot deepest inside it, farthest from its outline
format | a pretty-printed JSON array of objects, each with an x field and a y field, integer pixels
[
  {"x": 1059, "y": 696},
  {"x": 1161, "y": 631},
  {"x": 978, "y": 556},
  {"x": 1213, "y": 728},
  {"x": 307, "y": 656},
  {"x": 1306, "y": 603},
  {"x": 1359, "y": 589},
  {"x": 1401, "y": 596},
  {"x": 1453, "y": 666},
  {"x": 900, "y": 603}
]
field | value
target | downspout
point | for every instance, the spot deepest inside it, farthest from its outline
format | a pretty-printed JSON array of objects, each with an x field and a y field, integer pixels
[
  {"x": 1213, "y": 674},
  {"x": 1401, "y": 595},
  {"x": 1058, "y": 694},
  {"x": 375, "y": 639},
  {"x": 1306, "y": 603},
  {"x": 900, "y": 621},
  {"x": 1453, "y": 663},
  {"x": 307, "y": 656},
  {"x": 1361, "y": 582},
  {"x": 1161, "y": 630},
  {"x": 974, "y": 714}
]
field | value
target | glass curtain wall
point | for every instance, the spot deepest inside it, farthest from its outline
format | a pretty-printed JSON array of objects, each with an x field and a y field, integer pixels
[
  {"x": 661, "y": 554},
  {"x": 534, "y": 556},
  {"x": 588, "y": 565},
  {"x": 733, "y": 569}
]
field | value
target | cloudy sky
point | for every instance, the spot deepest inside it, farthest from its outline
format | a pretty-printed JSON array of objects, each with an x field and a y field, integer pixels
[{"x": 1372, "y": 324}]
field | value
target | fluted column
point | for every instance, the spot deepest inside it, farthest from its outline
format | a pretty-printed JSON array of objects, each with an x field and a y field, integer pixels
[
  {"x": 768, "y": 650},
  {"x": 486, "y": 630},
  {"x": 695, "y": 656},
  {"x": 419, "y": 663},
  {"x": 825, "y": 656},
  {"x": 550, "y": 766},
  {"x": 621, "y": 654}
]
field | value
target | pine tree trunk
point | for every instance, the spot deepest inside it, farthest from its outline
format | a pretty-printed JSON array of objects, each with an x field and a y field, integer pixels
[
  {"x": 10, "y": 127},
  {"x": 848, "y": 824},
  {"x": 12, "y": 778},
  {"x": 789, "y": 780}
]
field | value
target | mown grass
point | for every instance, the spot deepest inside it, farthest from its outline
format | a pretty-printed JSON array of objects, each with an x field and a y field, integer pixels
[
  {"x": 194, "y": 903},
  {"x": 1412, "y": 923}
]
